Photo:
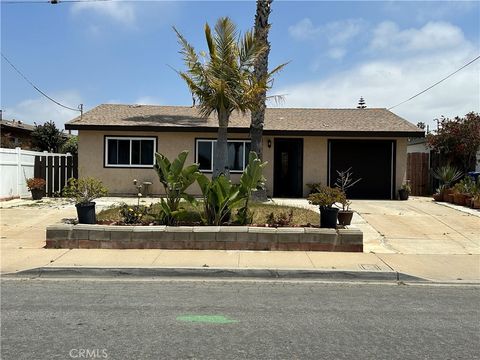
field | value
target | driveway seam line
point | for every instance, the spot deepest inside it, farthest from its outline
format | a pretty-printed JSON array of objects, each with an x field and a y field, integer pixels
[
  {"x": 58, "y": 257},
  {"x": 311, "y": 262},
  {"x": 383, "y": 261}
]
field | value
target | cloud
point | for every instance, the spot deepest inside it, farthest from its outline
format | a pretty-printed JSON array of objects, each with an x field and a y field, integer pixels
[
  {"x": 432, "y": 36},
  {"x": 336, "y": 34},
  {"x": 118, "y": 11},
  {"x": 40, "y": 110},
  {"x": 423, "y": 11},
  {"x": 390, "y": 79}
]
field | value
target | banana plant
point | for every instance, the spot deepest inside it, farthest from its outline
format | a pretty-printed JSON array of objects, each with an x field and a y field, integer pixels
[
  {"x": 176, "y": 179},
  {"x": 251, "y": 180},
  {"x": 220, "y": 196}
]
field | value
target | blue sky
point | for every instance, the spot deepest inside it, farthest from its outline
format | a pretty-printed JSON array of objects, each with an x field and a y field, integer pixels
[{"x": 120, "y": 52}]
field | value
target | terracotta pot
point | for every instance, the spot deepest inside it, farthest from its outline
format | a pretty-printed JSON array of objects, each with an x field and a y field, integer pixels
[
  {"x": 448, "y": 197},
  {"x": 468, "y": 200},
  {"x": 476, "y": 204},
  {"x": 459, "y": 199},
  {"x": 438, "y": 197},
  {"x": 345, "y": 217}
]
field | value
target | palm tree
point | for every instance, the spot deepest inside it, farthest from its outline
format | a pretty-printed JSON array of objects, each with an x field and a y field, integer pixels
[
  {"x": 260, "y": 70},
  {"x": 223, "y": 80}
]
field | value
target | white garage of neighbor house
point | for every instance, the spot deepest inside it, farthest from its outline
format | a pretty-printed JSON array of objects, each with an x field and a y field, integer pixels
[{"x": 302, "y": 146}]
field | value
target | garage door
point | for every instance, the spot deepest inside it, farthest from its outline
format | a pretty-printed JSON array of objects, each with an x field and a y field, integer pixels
[{"x": 370, "y": 160}]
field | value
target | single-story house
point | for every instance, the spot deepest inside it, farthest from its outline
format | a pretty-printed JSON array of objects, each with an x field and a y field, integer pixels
[
  {"x": 15, "y": 133},
  {"x": 302, "y": 146}
]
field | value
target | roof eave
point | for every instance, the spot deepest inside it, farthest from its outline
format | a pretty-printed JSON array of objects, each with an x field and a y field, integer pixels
[{"x": 73, "y": 126}]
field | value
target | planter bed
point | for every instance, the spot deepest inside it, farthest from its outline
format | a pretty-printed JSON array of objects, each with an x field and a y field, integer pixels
[{"x": 203, "y": 238}]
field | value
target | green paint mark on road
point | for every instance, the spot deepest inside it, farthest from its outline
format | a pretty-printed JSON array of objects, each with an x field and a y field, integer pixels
[{"x": 207, "y": 319}]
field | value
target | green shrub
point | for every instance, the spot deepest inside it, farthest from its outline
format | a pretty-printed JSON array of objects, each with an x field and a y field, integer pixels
[
  {"x": 314, "y": 188},
  {"x": 135, "y": 214},
  {"x": 84, "y": 190},
  {"x": 251, "y": 179},
  {"x": 282, "y": 219},
  {"x": 447, "y": 175},
  {"x": 176, "y": 179},
  {"x": 326, "y": 197},
  {"x": 220, "y": 196}
]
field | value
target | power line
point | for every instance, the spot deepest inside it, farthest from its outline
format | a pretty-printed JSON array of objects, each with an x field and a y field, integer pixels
[
  {"x": 438, "y": 82},
  {"x": 40, "y": 91}
]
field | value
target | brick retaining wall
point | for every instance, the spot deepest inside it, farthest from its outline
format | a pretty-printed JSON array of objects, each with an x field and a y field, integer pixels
[{"x": 203, "y": 238}]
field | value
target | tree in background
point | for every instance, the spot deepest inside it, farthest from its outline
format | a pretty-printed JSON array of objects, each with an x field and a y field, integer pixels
[
  {"x": 361, "y": 103},
  {"x": 458, "y": 140},
  {"x": 70, "y": 146},
  {"x": 47, "y": 137},
  {"x": 223, "y": 80}
]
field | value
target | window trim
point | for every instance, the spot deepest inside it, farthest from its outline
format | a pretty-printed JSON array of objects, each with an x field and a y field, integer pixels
[
  {"x": 213, "y": 140},
  {"x": 130, "y": 138}
]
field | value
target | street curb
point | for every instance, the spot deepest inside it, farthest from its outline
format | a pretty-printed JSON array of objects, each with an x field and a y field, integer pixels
[{"x": 81, "y": 272}]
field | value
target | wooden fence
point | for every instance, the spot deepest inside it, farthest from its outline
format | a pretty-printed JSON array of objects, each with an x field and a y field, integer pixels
[
  {"x": 56, "y": 169},
  {"x": 418, "y": 172}
]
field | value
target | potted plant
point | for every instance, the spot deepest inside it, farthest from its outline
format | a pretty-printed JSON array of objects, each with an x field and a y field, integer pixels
[
  {"x": 476, "y": 201},
  {"x": 404, "y": 191},
  {"x": 447, "y": 176},
  {"x": 344, "y": 182},
  {"x": 325, "y": 198},
  {"x": 438, "y": 196},
  {"x": 83, "y": 191},
  {"x": 36, "y": 187},
  {"x": 345, "y": 215}
]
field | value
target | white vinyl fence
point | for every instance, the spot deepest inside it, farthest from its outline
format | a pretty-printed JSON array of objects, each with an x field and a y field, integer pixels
[{"x": 16, "y": 166}]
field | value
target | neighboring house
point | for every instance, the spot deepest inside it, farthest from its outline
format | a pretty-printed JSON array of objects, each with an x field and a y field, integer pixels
[
  {"x": 15, "y": 133},
  {"x": 418, "y": 145},
  {"x": 302, "y": 146}
]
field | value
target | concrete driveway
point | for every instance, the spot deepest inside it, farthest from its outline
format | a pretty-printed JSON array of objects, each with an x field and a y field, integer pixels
[{"x": 417, "y": 226}]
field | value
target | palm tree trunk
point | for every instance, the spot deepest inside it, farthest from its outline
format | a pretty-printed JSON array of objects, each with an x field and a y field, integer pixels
[
  {"x": 220, "y": 155},
  {"x": 261, "y": 70}
]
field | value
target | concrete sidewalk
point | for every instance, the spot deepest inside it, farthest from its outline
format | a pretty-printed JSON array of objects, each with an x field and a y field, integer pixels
[
  {"x": 23, "y": 237},
  {"x": 441, "y": 268}
]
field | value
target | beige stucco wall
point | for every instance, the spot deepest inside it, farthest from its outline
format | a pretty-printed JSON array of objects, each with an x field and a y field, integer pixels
[{"x": 119, "y": 180}]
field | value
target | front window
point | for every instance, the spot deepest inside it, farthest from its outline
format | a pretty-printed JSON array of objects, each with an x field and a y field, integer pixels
[
  {"x": 129, "y": 152},
  {"x": 237, "y": 150}
]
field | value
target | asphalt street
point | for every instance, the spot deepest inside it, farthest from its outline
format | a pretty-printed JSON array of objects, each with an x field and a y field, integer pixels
[{"x": 77, "y": 319}]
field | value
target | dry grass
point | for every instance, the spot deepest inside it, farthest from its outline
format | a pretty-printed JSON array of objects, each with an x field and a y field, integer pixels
[{"x": 261, "y": 212}]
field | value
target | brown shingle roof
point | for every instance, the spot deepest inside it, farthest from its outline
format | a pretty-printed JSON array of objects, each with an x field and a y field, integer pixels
[
  {"x": 16, "y": 124},
  {"x": 277, "y": 120}
]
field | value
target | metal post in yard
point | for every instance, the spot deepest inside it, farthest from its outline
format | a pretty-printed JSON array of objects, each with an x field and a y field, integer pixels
[{"x": 19, "y": 169}]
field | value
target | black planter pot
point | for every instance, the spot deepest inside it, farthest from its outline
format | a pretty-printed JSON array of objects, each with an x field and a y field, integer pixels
[
  {"x": 345, "y": 217},
  {"x": 328, "y": 217},
  {"x": 403, "y": 194},
  {"x": 86, "y": 213},
  {"x": 37, "y": 194}
]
